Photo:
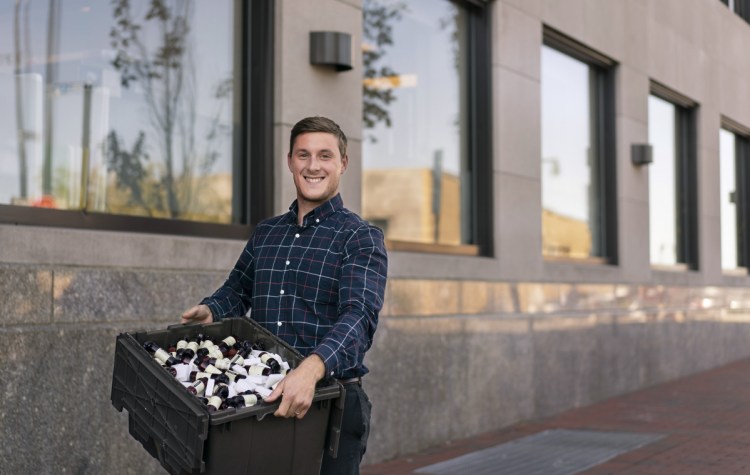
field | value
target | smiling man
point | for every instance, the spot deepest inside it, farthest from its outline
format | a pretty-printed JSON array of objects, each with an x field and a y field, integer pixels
[{"x": 315, "y": 277}]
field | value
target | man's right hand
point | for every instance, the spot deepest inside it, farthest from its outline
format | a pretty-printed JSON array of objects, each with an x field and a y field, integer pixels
[{"x": 198, "y": 314}]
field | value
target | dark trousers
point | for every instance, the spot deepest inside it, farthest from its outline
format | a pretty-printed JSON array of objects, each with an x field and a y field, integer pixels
[{"x": 355, "y": 428}]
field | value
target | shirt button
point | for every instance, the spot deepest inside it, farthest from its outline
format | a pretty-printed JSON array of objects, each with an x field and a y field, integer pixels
[
  {"x": 317, "y": 220},
  {"x": 282, "y": 292},
  {"x": 296, "y": 235},
  {"x": 287, "y": 262},
  {"x": 278, "y": 323}
]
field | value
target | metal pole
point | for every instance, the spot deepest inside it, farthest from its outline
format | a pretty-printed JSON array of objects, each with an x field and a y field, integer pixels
[
  {"x": 437, "y": 188},
  {"x": 85, "y": 146}
]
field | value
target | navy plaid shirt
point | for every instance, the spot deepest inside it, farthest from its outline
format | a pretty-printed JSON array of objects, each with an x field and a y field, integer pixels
[{"x": 319, "y": 286}]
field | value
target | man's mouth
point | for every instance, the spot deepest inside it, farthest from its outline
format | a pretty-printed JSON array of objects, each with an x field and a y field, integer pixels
[{"x": 313, "y": 179}]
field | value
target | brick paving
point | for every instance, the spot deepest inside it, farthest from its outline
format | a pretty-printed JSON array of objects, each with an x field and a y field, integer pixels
[{"x": 705, "y": 419}]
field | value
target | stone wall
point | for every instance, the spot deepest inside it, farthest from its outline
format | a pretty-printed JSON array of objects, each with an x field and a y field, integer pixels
[{"x": 451, "y": 358}]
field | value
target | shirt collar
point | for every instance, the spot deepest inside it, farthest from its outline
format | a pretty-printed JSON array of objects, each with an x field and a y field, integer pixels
[{"x": 318, "y": 214}]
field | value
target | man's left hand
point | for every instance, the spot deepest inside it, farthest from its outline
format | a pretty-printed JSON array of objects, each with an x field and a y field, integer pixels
[{"x": 298, "y": 388}]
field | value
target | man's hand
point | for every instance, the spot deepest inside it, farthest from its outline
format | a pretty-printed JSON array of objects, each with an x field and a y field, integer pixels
[
  {"x": 197, "y": 314},
  {"x": 298, "y": 388}
]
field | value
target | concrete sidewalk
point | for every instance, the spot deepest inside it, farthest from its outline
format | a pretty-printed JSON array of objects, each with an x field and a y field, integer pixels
[{"x": 703, "y": 422}]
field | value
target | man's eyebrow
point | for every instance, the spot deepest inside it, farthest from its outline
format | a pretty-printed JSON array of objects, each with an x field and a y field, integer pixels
[{"x": 322, "y": 150}]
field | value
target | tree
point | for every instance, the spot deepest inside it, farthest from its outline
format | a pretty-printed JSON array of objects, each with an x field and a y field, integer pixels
[
  {"x": 129, "y": 169},
  {"x": 163, "y": 76},
  {"x": 378, "y": 31}
]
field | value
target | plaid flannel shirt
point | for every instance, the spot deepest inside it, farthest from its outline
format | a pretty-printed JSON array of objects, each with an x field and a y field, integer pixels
[{"x": 319, "y": 286}]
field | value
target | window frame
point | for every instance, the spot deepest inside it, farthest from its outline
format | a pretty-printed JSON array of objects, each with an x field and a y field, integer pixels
[
  {"x": 742, "y": 186},
  {"x": 686, "y": 175},
  {"x": 603, "y": 138},
  {"x": 740, "y": 7},
  {"x": 479, "y": 129},
  {"x": 252, "y": 143},
  {"x": 480, "y": 124}
]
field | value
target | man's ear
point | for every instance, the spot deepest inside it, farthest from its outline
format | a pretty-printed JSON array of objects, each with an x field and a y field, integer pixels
[
  {"x": 289, "y": 161},
  {"x": 344, "y": 163}
]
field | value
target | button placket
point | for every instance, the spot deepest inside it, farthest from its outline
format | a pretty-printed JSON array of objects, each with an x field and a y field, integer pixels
[{"x": 284, "y": 279}]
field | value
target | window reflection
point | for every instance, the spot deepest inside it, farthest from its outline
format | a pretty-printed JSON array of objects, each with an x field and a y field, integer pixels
[
  {"x": 728, "y": 199},
  {"x": 415, "y": 165},
  {"x": 120, "y": 107},
  {"x": 662, "y": 182},
  {"x": 569, "y": 187}
]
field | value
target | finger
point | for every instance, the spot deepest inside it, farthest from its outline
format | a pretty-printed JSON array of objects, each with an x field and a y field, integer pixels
[
  {"x": 284, "y": 409},
  {"x": 188, "y": 319},
  {"x": 302, "y": 410},
  {"x": 276, "y": 392}
]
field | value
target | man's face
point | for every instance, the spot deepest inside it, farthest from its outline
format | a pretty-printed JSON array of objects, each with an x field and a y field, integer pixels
[{"x": 316, "y": 165}]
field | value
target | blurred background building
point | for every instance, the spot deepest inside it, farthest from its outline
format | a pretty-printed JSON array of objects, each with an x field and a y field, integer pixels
[{"x": 563, "y": 185}]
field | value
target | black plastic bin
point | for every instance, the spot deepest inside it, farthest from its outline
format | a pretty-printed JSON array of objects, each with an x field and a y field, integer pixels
[{"x": 177, "y": 429}]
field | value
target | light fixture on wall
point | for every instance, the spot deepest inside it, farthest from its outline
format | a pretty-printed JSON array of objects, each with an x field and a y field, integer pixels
[
  {"x": 331, "y": 48},
  {"x": 641, "y": 154}
]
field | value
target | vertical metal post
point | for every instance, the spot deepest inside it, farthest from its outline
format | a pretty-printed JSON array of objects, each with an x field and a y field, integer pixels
[
  {"x": 437, "y": 190},
  {"x": 85, "y": 146}
]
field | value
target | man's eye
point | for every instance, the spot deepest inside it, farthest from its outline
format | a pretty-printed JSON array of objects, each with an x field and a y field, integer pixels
[{"x": 325, "y": 157}]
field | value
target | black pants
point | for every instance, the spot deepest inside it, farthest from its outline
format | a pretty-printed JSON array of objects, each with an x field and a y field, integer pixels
[{"x": 355, "y": 428}]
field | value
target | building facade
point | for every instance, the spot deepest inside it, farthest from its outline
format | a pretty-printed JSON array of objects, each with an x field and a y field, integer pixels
[{"x": 564, "y": 188}]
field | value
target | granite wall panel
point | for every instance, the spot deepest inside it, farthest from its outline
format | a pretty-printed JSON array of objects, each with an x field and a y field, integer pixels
[
  {"x": 450, "y": 358},
  {"x": 27, "y": 295}
]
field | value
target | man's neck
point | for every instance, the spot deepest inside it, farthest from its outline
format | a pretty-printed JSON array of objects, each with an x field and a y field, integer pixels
[{"x": 304, "y": 207}]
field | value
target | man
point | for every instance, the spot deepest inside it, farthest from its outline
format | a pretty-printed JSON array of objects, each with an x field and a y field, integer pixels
[{"x": 315, "y": 277}]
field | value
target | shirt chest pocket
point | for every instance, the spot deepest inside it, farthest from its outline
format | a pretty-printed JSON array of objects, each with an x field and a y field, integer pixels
[{"x": 316, "y": 276}]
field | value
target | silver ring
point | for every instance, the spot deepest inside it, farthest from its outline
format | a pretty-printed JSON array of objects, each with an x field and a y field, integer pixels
[{"x": 296, "y": 413}]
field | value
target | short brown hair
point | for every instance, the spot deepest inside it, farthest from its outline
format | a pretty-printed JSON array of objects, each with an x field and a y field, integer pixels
[{"x": 318, "y": 124}]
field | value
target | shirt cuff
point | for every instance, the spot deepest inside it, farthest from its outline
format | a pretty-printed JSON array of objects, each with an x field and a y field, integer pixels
[
  {"x": 329, "y": 359},
  {"x": 214, "y": 307}
]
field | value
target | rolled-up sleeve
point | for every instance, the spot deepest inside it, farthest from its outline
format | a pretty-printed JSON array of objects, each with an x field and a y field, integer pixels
[{"x": 361, "y": 292}]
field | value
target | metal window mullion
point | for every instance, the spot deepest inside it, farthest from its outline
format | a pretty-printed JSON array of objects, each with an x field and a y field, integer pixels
[
  {"x": 480, "y": 124},
  {"x": 608, "y": 164},
  {"x": 680, "y": 201},
  {"x": 742, "y": 186},
  {"x": 687, "y": 229},
  {"x": 596, "y": 188},
  {"x": 259, "y": 125},
  {"x": 241, "y": 104}
]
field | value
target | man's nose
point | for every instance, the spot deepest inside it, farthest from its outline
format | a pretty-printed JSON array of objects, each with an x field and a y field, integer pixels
[{"x": 314, "y": 163}]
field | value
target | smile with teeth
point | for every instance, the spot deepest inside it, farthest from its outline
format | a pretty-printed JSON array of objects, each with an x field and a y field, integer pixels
[{"x": 313, "y": 179}]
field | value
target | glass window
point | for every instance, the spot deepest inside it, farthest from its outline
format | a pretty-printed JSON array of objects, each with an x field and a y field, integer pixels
[
  {"x": 672, "y": 184},
  {"x": 122, "y": 107},
  {"x": 417, "y": 164},
  {"x": 574, "y": 156},
  {"x": 728, "y": 199},
  {"x": 662, "y": 182},
  {"x": 734, "y": 153},
  {"x": 740, "y": 7}
]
